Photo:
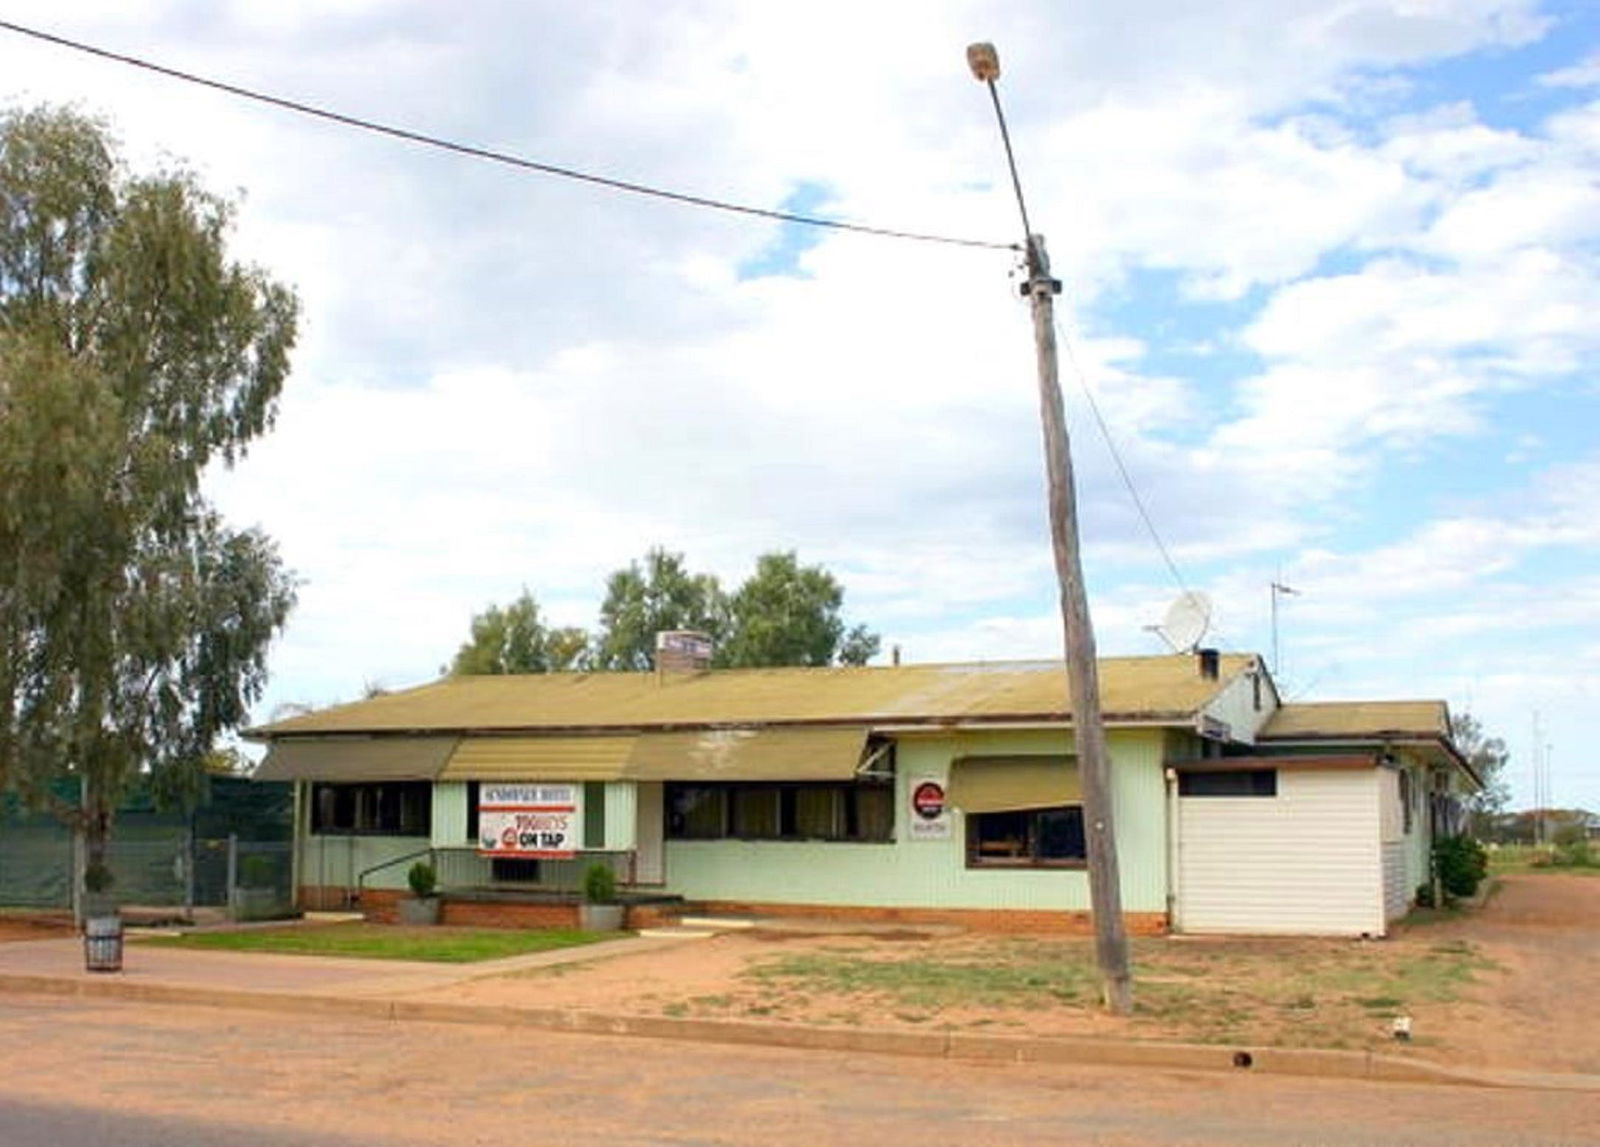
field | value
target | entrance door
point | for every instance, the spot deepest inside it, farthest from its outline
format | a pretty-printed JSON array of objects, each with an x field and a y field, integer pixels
[{"x": 650, "y": 856}]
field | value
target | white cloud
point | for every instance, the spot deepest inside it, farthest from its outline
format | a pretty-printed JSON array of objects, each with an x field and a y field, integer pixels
[{"x": 507, "y": 379}]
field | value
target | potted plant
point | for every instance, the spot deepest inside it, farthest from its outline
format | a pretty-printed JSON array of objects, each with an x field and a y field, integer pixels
[
  {"x": 599, "y": 911},
  {"x": 256, "y": 897},
  {"x": 423, "y": 905},
  {"x": 98, "y": 900}
]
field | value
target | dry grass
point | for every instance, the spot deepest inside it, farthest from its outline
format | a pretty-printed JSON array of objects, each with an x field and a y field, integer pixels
[{"x": 1294, "y": 993}]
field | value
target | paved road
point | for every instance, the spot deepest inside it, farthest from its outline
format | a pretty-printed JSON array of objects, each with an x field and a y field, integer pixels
[{"x": 120, "y": 1074}]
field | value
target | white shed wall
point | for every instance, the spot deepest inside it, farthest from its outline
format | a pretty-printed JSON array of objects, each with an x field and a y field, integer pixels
[{"x": 1305, "y": 862}]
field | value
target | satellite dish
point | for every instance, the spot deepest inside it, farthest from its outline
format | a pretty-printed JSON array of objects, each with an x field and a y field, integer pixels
[{"x": 1188, "y": 617}]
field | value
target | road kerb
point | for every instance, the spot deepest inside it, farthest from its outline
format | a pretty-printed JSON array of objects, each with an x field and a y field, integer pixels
[{"x": 932, "y": 1044}]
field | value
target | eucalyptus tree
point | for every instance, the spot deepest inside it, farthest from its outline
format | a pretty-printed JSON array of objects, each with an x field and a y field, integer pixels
[
  {"x": 134, "y": 354},
  {"x": 515, "y": 639}
]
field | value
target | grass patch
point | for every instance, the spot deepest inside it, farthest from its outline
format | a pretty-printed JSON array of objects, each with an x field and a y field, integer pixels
[
  {"x": 923, "y": 982},
  {"x": 383, "y": 942},
  {"x": 1291, "y": 993}
]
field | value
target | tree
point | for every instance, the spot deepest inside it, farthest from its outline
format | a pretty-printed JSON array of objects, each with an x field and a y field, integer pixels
[
  {"x": 643, "y": 601},
  {"x": 134, "y": 623},
  {"x": 516, "y": 640},
  {"x": 1487, "y": 756},
  {"x": 788, "y": 614}
]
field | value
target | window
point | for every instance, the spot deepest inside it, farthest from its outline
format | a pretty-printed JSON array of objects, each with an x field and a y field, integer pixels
[
  {"x": 389, "y": 808},
  {"x": 1407, "y": 800},
  {"x": 860, "y": 812},
  {"x": 1031, "y": 837},
  {"x": 1229, "y": 783}
]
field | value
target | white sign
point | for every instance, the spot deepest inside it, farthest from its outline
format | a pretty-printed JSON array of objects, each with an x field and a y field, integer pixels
[
  {"x": 529, "y": 820},
  {"x": 930, "y": 812}
]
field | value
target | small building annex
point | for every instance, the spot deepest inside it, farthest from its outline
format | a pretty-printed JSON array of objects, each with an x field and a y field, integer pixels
[{"x": 919, "y": 792}]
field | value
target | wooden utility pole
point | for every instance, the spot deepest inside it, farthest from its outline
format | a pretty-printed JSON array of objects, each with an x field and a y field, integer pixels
[{"x": 1083, "y": 679}]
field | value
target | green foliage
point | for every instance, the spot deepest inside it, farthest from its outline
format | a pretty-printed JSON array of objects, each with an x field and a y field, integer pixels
[
  {"x": 1575, "y": 852},
  {"x": 1461, "y": 863},
  {"x": 788, "y": 614},
  {"x": 642, "y": 601},
  {"x": 516, "y": 640},
  {"x": 133, "y": 623},
  {"x": 784, "y": 614},
  {"x": 599, "y": 884},
  {"x": 97, "y": 877},
  {"x": 1487, "y": 756},
  {"x": 257, "y": 871},
  {"x": 423, "y": 878}
]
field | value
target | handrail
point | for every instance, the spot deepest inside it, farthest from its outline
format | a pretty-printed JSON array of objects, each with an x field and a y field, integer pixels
[{"x": 361, "y": 877}]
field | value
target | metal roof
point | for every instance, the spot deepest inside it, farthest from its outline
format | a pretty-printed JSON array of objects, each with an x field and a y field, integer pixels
[
  {"x": 1132, "y": 689},
  {"x": 1358, "y": 720},
  {"x": 548, "y": 758},
  {"x": 356, "y": 759}
]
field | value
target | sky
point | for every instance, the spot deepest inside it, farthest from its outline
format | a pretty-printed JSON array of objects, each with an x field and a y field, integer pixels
[{"x": 1331, "y": 272}]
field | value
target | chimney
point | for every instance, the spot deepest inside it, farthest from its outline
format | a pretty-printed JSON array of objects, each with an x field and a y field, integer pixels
[
  {"x": 682, "y": 651},
  {"x": 1210, "y": 663}
]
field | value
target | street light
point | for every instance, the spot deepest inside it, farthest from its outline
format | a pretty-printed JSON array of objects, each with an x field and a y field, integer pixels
[{"x": 1083, "y": 683}]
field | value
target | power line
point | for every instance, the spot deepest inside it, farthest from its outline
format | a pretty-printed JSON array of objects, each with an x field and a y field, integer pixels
[
  {"x": 1122, "y": 469},
  {"x": 1116, "y": 457},
  {"x": 499, "y": 156}
]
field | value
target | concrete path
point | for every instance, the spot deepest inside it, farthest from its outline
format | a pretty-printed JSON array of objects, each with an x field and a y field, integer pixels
[{"x": 406, "y": 990}]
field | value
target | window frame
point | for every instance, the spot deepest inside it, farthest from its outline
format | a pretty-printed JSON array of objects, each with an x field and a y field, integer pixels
[
  {"x": 1214, "y": 784},
  {"x": 1033, "y": 833},
  {"x": 371, "y": 808},
  {"x": 738, "y": 801}
]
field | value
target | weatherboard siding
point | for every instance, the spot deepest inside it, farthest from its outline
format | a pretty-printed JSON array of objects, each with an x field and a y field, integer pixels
[
  {"x": 1303, "y": 862},
  {"x": 934, "y": 874},
  {"x": 1235, "y": 706},
  {"x": 338, "y": 861}
]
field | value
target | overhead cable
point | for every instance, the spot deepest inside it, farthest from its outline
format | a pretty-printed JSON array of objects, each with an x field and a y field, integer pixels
[{"x": 500, "y": 157}]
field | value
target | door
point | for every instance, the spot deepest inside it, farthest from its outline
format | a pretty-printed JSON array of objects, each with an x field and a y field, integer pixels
[{"x": 650, "y": 856}]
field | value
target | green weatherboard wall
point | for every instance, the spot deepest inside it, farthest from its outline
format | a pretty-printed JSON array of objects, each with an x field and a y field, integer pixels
[
  {"x": 933, "y": 874},
  {"x": 908, "y": 873}
]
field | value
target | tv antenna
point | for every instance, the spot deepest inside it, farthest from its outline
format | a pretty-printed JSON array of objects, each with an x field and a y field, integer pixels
[{"x": 1188, "y": 618}]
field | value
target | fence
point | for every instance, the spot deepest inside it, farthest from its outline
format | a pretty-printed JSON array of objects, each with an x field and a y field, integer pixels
[{"x": 160, "y": 859}]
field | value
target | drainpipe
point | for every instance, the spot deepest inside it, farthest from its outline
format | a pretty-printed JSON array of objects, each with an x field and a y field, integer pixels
[
  {"x": 296, "y": 842},
  {"x": 1170, "y": 776}
]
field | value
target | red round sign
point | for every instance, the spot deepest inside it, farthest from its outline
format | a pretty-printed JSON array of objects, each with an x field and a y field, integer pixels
[{"x": 928, "y": 800}]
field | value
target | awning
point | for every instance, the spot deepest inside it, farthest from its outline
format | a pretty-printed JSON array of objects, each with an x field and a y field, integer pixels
[
  {"x": 1004, "y": 784},
  {"x": 538, "y": 759},
  {"x": 355, "y": 759},
  {"x": 748, "y": 755}
]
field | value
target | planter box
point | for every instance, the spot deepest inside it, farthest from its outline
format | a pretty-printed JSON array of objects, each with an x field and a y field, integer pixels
[
  {"x": 600, "y": 917},
  {"x": 418, "y": 910},
  {"x": 256, "y": 904}
]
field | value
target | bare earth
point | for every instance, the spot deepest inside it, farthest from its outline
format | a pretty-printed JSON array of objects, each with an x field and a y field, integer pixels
[
  {"x": 128, "y": 1074},
  {"x": 1529, "y": 979}
]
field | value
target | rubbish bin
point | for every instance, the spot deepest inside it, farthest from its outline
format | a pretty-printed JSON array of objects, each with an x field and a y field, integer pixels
[{"x": 102, "y": 944}]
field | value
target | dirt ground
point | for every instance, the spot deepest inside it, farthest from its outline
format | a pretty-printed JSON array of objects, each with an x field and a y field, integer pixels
[
  {"x": 1511, "y": 985},
  {"x": 33, "y": 926}
]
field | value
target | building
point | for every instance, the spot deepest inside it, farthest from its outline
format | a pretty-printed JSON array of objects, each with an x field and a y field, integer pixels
[{"x": 919, "y": 792}]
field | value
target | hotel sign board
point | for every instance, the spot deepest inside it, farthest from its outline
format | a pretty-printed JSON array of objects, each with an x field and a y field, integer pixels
[{"x": 535, "y": 821}]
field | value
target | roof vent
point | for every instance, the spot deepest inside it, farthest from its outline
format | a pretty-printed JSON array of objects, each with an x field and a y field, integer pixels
[
  {"x": 682, "y": 651},
  {"x": 1210, "y": 663}
]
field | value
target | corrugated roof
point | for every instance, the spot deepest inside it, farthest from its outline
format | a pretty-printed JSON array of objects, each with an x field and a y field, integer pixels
[
  {"x": 1007, "y": 784},
  {"x": 547, "y": 758},
  {"x": 356, "y": 759},
  {"x": 1131, "y": 688},
  {"x": 1375, "y": 720},
  {"x": 748, "y": 755}
]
